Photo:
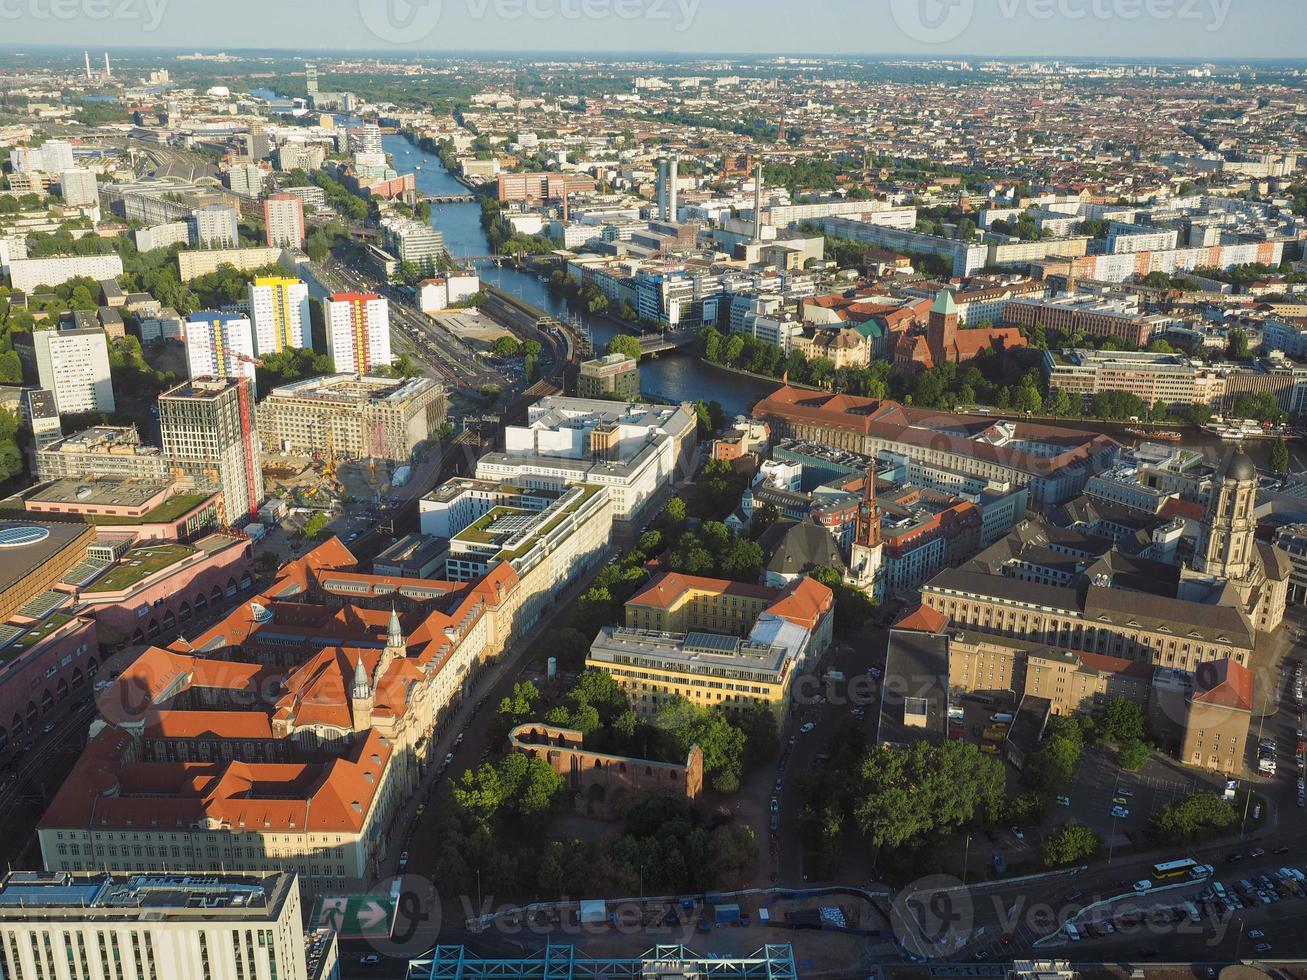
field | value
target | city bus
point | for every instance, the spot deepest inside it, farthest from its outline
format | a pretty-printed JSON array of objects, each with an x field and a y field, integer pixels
[{"x": 1174, "y": 869}]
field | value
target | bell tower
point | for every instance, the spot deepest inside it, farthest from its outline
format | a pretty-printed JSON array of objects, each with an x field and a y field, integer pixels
[
  {"x": 866, "y": 559},
  {"x": 1226, "y": 545},
  {"x": 360, "y": 697}
]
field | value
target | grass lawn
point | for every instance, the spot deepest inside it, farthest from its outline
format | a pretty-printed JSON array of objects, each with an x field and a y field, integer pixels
[
  {"x": 170, "y": 510},
  {"x": 138, "y": 564}
]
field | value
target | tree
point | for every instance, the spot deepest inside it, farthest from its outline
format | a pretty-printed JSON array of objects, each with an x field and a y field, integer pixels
[
  {"x": 1279, "y": 457},
  {"x": 1236, "y": 344},
  {"x": 1051, "y": 766},
  {"x": 682, "y": 725},
  {"x": 1133, "y": 754},
  {"x": 1123, "y": 720},
  {"x": 1195, "y": 816},
  {"x": 853, "y": 607},
  {"x": 904, "y": 795},
  {"x": 1068, "y": 844},
  {"x": 625, "y": 345}
]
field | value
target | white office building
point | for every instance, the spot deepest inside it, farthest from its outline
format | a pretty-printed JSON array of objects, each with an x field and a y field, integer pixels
[
  {"x": 66, "y": 926},
  {"x": 636, "y": 451}
]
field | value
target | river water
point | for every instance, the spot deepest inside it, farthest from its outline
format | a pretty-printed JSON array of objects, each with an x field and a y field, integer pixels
[{"x": 676, "y": 377}]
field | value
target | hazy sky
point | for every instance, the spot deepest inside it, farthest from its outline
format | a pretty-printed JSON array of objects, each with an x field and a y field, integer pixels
[{"x": 1048, "y": 28}]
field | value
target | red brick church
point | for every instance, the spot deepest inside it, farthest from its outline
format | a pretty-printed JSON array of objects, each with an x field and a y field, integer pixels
[{"x": 943, "y": 341}]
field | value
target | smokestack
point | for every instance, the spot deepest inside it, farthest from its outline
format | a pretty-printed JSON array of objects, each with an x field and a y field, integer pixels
[
  {"x": 757, "y": 203},
  {"x": 672, "y": 169},
  {"x": 107, "y": 72},
  {"x": 87, "y": 56}
]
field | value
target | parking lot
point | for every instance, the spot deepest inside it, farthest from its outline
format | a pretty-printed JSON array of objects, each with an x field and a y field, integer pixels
[{"x": 1098, "y": 777}]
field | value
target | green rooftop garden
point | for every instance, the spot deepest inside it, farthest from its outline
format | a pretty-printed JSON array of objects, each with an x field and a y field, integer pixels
[
  {"x": 170, "y": 510},
  {"x": 139, "y": 564},
  {"x": 34, "y": 636}
]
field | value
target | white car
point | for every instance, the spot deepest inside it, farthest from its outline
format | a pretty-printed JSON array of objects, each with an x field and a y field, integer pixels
[
  {"x": 1064, "y": 801},
  {"x": 1143, "y": 885},
  {"x": 806, "y": 727}
]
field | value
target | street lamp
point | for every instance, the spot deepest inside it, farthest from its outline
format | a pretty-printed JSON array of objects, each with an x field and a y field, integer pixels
[{"x": 966, "y": 854}]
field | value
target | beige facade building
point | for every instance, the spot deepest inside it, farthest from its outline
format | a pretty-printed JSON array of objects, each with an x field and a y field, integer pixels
[{"x": 352, "y": 416}]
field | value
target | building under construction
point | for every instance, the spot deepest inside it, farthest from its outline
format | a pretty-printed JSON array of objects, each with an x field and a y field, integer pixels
[{"x": 347, "y": 416}]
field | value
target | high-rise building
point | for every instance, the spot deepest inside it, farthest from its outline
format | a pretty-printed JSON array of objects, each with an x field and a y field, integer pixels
[
  {"x": 215, "y": 226},
  {"x": 214, "y": 927},
  {"x": 367, "y": 139},
  {"x": 283, "y": 219},
  {"x": 614, "y": 376},
  {"x": 56, "y": 156},
  {"x": 78, "y": 187},
  {"x": 279, "y": 307},
  {"x": 74, "y": 364},
  {"x": 311, "y": 79},
  {"x": 209, "y": 436},
  {"x": 412, "y": 241},
  {"x": 245, "y": 178},
  {"x": 219, "y": 345},
  {"x": 358, "y": 332}
]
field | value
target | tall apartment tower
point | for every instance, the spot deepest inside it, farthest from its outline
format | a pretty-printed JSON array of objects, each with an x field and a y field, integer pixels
[
  {"x": 673, "y": 174},
  {"x": 358, "y": 332},
  {"x": 72, "y": 363},
  {"x": 279, "y": 309},
  {"x": 311, "y": 79},
  {"x": 757, "y": 203},
  {"x": 283, "y": 220},
  {"x": 219, "y": 345},
  {"x": 209, "y": 437},
  {"x": 215, "y": 226}
]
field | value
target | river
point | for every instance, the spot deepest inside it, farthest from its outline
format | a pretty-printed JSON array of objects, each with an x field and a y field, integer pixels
[{"x": 676, "y": 377}]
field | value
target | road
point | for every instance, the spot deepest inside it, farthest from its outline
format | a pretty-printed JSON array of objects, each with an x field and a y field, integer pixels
[{"x": 448, "y": 357}]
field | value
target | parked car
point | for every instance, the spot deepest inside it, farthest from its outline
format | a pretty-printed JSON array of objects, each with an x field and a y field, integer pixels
[{"x": 1143, "y": 885}]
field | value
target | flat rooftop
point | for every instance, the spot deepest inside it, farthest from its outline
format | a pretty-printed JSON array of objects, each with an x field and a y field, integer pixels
[
  {"x": 693, "y": 653},
  {"x": 98, "y": 493},
  {"x": 39, "y": 893},
  {"x": 139, "y": 564}
]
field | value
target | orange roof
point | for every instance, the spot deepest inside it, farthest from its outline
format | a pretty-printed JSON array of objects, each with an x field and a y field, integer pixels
[
  {"x": 209, "y": 724},
  {"x": 923, "y": 619},
  {"x": 1225, "y": 683},
  {"x": 669, "y": 587},
  {"x": 803, "y": 602}
]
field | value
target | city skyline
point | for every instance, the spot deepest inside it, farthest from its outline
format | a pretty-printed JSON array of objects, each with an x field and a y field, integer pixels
[{"x": 937, "y": 29}]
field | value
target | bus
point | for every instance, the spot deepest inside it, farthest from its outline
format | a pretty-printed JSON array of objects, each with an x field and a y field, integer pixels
[{"x": 1174, "y": 869}]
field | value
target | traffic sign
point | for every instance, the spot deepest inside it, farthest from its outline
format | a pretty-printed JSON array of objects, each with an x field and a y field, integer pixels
[{"x": 355, "y": 916}]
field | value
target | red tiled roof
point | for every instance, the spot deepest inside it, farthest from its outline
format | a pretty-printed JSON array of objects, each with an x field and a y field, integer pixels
[
  {"x": 1225, "y": 683},
  {"x": 803, "y": 602},
  {"x": 667, "y": 588},
  {"x": 923, "y": 619}
]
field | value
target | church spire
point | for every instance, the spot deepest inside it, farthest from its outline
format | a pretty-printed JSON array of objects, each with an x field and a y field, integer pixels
[
  {"x": 362, "y": 686},
  {"x": 394, "y": 634}
]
